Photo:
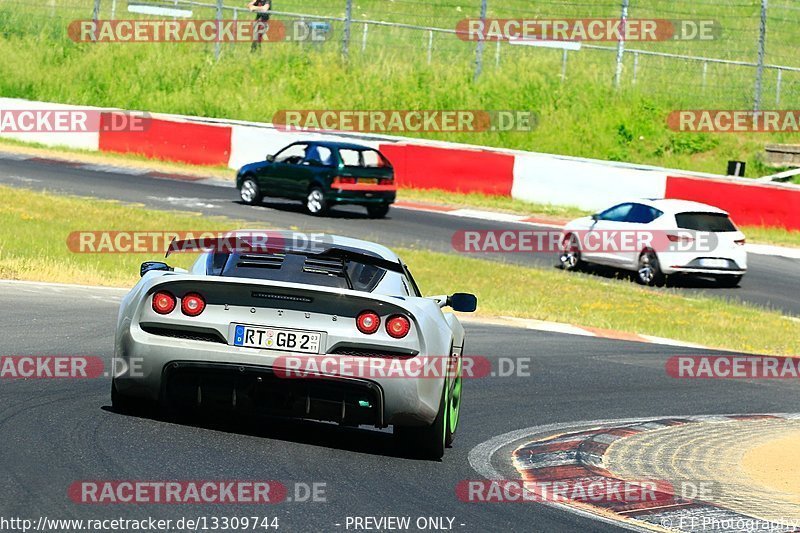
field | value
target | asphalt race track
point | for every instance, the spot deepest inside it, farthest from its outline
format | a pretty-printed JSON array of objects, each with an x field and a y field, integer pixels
[
  {"x": 57, "y": 432},
  {"x": 771, "y": 281}
]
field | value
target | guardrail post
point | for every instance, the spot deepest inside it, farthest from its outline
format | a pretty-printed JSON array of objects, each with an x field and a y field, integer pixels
[
  {"x": 621, "y": 44},
  {"x": 479, "y": 49},
  {"x": 348, "y": 17},
  {"x": 762, "y": 43}
]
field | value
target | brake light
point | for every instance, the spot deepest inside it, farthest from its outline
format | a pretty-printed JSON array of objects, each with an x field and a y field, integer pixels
[
  {"x": 368, "y": 322},
  {"x": 398, "y": 326},
  {"x": 386, "y": 181},
  {"x": 741, "y": 242},
  {"x": 164, "y": 302},
  {"x": 679, "y": 238},
  {"x": 343, "y": 180},
  {"x": 192, "y": 304}
]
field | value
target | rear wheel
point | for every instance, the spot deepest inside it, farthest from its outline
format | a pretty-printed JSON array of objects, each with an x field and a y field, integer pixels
[
  {"x": 454, "y": 407},
  {"x": 121, "y": 403},
  {"x": 729, "y": 281},
  {"x": 250, "y": 192},
  {"x": 426, "y": 441},
  {"x": 315, "y": 202},
  {"x": 377, "y": 211},
  {"x": 570, "y": 257},
  {"x": 648, "y": 271}
]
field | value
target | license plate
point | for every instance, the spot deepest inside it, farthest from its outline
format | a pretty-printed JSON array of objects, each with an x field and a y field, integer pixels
[
  {"x": 368, "y": 181},
  {"x": 714, "y": 263},
  {"x": 285, "y": 340}
]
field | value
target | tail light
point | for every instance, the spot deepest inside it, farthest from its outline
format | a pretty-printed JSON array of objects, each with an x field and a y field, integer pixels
[
  {"x": 164, "y": 302},
  {"x": 343, "y": 180},
  {"x": 398, "y": 326},
  {"x": 679, "y": 238},
  {"x": 741, "y": 242},
  {"x": 386, "y": 181},
  {"x": 368, "y": 322},
  {"x": 192, "y": 304}
]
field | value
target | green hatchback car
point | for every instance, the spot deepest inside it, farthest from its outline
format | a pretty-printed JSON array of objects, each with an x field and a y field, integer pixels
[{"x": 322, "y": 174}]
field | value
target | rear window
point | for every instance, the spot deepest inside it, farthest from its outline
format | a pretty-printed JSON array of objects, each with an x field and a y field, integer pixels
[
  {"x": 363, "y": 158},
  {"x": 718, "y": 222},
  {"x": 311, "y": 269}
]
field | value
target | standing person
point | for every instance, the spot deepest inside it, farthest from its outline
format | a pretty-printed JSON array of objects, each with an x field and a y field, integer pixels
[{"x": 261, "y": 8}]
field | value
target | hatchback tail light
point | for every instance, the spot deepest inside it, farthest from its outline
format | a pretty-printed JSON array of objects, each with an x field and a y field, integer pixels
[
  {"x": 343, "y": 180},
  {"x": 398, "y": 326},
  {"x": 164, "y": 302},
  {"x": 192, "y": 304},
  {"x": 368, "y": 322}
]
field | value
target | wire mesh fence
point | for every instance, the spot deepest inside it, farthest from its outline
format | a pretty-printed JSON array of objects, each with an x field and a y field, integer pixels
[{"x": 749, "y": 62}]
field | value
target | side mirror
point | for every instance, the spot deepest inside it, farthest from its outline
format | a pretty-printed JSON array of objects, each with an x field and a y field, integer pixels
[
  {"x": 595, "y": 217},
  {"x": 270, "y": 158},
  {"x": 147, "y": 266},
  {"x": 463, "y": 302}
]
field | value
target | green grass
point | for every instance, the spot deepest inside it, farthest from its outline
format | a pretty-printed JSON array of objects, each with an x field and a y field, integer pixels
[
  {"x": 584, "y": 116},
  {"x": 37, "y": 225}
]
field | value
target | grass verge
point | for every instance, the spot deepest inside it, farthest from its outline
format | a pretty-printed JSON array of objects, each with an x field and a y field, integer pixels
[{"x": 38, "y": 224}]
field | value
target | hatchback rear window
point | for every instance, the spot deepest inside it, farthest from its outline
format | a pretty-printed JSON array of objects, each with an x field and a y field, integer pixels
[
  {"x": 363, "y": 158},
  {"x": 718, "y": 222}
]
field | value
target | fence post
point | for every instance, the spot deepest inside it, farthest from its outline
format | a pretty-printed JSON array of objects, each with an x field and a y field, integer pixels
[
  {"x": 217, "y": 44},
  {"x": 497, "y": 54},
  {"x": 479, "y": 50},
  {"x": 564, "y": 55},
  {"x": 113, "y": 8},
  {"x": 621, "y": 44},
  {"x": 95, "y": 17},
  {"x": 762, "y": 42},
  {"x": 430, "y": 46},
  {"x": 364, "y": 38},
  {"x": 705, "y": 73},
  {"x": 348, "y": 17},
  {"x": 778, "y": 88},
  {"x": 635, "y": 66}
]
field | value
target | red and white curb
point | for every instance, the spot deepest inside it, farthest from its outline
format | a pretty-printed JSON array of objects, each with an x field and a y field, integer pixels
[{"x": 574, "y": 451}]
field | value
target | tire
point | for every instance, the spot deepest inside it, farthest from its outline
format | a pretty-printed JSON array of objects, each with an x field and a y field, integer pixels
[
  {"x": 250, "y": 192},
  {"x": 728, "y": 281},
  {"x": 315, "y": 202},
  {"x": 121, "y": 403},
  {"x": 570, "y": 256},
  {"x": 648, "y": 270},
  {"x": 377, "y": 211},
  {"x": 426, "y": 441},
  {"x": 454, "y": 408}
]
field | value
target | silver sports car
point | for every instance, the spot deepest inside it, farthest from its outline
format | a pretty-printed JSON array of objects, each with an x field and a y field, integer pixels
[{"x": 248, "y": 329}]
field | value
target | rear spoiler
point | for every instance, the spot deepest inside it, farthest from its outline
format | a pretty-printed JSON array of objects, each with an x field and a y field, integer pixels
[{"x": 236, "y": 245}]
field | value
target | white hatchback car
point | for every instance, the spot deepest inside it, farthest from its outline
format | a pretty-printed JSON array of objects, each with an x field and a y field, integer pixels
[{"x": 656, "y": 238}]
